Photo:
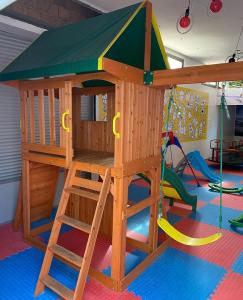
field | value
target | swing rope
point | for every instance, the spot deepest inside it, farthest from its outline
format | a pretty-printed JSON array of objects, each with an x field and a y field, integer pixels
[
  {"x": 223, "y": 109},
  {"x": 162, "y": 221},
  {"x": 164, "y": 152}
]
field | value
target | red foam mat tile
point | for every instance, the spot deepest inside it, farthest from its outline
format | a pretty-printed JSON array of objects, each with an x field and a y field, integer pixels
[
  {"x": 95, "y": 290},
  {"x": 11, "y": 242},
  {"x": 222, "y": 252},
  {"x": 141, "y": 182},
  {"x": 203, "y": 182},
  {"x": 75, "y": 241},
  {"x": 137, "y": 236},
  {"x": 231, "y": 288},
  {"x": 183, "y": 210},
  {"x": 230, "y": 201}
]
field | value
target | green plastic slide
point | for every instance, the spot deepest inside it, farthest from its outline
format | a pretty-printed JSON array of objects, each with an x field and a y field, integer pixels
[{"x": 174, "y": 180}]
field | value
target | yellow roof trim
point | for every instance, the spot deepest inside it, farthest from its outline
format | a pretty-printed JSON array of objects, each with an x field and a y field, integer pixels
[
  {"x": 118, "y": 35},
  {"x": 159, "y": 39}
]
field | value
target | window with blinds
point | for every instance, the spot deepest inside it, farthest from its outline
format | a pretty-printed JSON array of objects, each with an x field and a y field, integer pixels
[{"x": 10, "y": 141}]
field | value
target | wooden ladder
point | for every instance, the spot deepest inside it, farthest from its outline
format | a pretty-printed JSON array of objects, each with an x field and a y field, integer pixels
[{"x": 97, "y": 191}]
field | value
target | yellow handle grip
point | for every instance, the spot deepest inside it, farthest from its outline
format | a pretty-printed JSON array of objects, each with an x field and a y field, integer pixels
[
  {"x": 66, "y": 113},
  {"x": 117, "y": 116}
]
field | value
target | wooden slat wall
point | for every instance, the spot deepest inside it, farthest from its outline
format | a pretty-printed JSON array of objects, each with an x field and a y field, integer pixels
[
  {"x": 96, "y": 136},
  {"x": 43, "y": 181},
  {"x": 140, "y": 123}
]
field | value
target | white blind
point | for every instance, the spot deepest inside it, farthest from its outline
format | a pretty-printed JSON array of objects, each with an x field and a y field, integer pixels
[{"x": 10, "y": 156}]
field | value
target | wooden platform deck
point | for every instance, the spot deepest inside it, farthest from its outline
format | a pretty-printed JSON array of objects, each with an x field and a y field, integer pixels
[{"x": 90, "y": 161}]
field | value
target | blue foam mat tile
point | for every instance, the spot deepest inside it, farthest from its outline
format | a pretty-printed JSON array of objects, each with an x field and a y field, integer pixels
[
  {"x": 238, "y": 264},
  {"x": 139, "y": 222},
  {"x": 209, "y": 214},
  {"x": 137, "y": 193},
  {"x": 203, "y": 194},
  {"x": 179, "y": 276},
  {"x": 234, "y": 178},
  {"x": 19, "y": 274},
  {"x": 132, "y": 260}
]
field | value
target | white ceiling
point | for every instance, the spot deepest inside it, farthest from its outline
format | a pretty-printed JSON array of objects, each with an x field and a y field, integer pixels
[{"x": 210, "y": 40}]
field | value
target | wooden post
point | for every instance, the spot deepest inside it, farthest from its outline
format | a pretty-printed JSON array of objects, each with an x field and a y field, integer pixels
[
  {"x": 41, "y": 117},
  {"x": 153, "y": 226},
  {"x": 119, "y": 230},
  {"x": 51, "y": 105},
  {"x": 32, "y": 115},
  {"x": 19, "y": 208},
  {"x": 147, "y": 51},
  {"x": 26, "y": 197}
]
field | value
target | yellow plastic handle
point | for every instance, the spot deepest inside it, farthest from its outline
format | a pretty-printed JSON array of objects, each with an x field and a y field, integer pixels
[
  {"x": 117, "y": 116},
  {"x": 66, "y": 113}
]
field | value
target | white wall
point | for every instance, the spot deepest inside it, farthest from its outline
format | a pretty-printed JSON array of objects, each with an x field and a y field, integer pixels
[
  {"x": 9, "y": 195},
  {"x": 213, "y": 115},
  {"x": 9, "y": 190}
]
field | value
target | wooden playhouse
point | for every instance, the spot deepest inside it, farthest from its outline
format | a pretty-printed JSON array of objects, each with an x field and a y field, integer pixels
[
  {"x": 119, "y": 54},
  {"x": 110, "y": 54}
]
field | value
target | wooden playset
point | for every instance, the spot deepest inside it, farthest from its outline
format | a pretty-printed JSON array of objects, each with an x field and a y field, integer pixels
[{"x": 121, "y": 55}]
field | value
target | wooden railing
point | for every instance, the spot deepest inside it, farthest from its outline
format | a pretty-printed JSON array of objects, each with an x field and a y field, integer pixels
[{"x": 46, "y": 120}]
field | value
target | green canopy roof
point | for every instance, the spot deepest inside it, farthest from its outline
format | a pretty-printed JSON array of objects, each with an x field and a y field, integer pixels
[{"x": 80, "y": 47}]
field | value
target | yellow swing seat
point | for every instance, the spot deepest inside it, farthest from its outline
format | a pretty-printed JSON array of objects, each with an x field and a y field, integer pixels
[{"x": 184, "y": 239}]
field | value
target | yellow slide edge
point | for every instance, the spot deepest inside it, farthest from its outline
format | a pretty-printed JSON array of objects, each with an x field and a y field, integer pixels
[{"x": 184, "y": 239}]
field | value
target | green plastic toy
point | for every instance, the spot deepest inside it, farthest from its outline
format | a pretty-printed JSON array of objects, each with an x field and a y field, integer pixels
[
  {"x": 237, "y": 222},
  {"x": 216, "y": 188}
]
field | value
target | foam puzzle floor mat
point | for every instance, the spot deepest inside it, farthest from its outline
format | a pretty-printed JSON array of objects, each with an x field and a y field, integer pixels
[{"x": 213, "y": 271}]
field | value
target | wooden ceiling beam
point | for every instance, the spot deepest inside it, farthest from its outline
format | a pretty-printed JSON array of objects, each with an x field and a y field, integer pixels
[
  {"x": 199, "y": 74},
  {"x": 123, "y": 71}
]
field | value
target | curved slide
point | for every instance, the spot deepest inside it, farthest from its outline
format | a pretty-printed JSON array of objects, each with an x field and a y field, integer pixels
[
  {"x": 199, "y": 164},
  {"x": 174, "y": 180},
  {"x": 176, "y": 190}
]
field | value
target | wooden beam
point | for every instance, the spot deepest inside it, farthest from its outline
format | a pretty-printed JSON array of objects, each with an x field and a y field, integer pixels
[
  {"x": 59, "y": 82},
  {"x": 148, "y": 25},
  {"x": 93, "y": 90},
  {"x": 134, "y": 209},
  {"x": 123, "y": 71},
  {"x": 199, "y": 74},
  {"x": 43, "y": 148}
]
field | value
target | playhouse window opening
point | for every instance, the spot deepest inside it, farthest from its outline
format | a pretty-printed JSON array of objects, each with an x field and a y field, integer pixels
[
  {"x": 94, "y": 108},
  {"x": 175, "y": 62}
]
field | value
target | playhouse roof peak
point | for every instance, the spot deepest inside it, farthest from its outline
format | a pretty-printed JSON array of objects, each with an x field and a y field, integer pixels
[{"x": 80, "y": 47}]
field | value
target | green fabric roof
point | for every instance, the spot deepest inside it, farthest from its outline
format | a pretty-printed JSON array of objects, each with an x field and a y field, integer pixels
[{"x": 76, "y": 48}]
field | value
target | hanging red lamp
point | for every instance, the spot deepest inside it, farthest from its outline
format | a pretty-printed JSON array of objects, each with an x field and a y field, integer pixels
[
  {"x": 216, "y": 6},
  {"x": 184, "y": 22}
]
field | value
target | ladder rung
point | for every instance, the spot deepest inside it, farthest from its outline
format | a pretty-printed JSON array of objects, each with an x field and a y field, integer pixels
[
  {"x": 87, "y": 184},
  {"x": 57, "y": 287},
  {"x": 82, "y": 193},
  {"x": 75, "y": 223},
  {"x": 67, "y": 255}
]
